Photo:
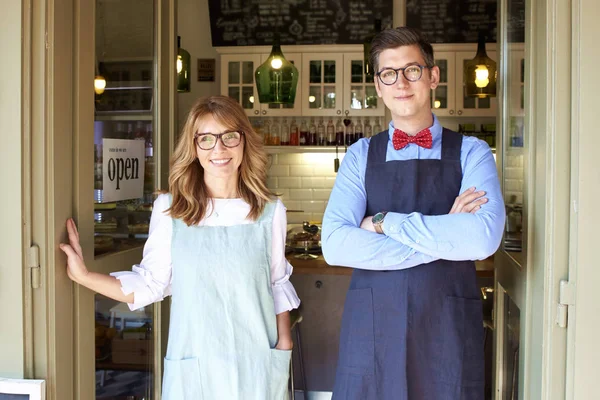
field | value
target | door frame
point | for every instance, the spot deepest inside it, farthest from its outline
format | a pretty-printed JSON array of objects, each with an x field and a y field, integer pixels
[{"x": 535, "y": 286}]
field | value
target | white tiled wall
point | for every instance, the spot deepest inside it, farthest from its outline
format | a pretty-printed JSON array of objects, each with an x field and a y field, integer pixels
[{"x": 304, "y": 182}]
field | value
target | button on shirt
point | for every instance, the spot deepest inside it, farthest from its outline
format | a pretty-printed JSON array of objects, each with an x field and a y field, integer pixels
[
  {"x": 150, "y": 281},
  {"x": 412, "y": 239}
]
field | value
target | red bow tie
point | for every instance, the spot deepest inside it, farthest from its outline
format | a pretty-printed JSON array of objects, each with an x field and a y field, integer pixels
[{"x": 401, "y": 139}]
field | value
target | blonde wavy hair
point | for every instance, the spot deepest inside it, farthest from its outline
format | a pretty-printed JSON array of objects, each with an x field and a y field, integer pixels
[{"x": 186, "y": 179}]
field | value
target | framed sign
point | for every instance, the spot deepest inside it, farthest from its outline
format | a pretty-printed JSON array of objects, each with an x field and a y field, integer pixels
[
  {"x": 206, "y": 70},
  {"x": 123, "y": 164},
  {"x": 22, "y": 389}
]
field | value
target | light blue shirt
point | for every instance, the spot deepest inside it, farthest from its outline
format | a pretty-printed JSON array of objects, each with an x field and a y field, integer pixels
[{"x": 412, "y": 239}]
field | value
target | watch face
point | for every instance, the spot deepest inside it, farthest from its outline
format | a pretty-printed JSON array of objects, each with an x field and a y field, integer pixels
[{"x": 377, "y": 218}]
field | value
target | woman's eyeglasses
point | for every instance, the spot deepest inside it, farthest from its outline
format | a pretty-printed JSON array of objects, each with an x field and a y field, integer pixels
[
  {"x": 207, "y": 141},
  {"x": 412, "y": 73}
]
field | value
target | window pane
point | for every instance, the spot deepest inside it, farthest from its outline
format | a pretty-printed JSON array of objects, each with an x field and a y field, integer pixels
[
  {"x": 248, "y": 97},
  {"x": 234, "y": 92},
  {"x": 439, "y": 98},
  {"x": 314, "y": 98},
  {"x": 315, "y": 71},
  {"x": 357, "y": 71},
  {"x": 484, "y": 103},
  {"x": 248, "y": 72},
  {"x": 234, "y": 72},
  {"x": 329, "y": 97},
  {"x": 371, "y": 98},
  {"x": 443, "y": 65},
  {"x": 356, "y": 97},
  {"x": 329, "y": 71}
]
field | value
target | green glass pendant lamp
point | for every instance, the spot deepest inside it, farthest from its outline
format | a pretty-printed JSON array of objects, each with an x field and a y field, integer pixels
[
  {"x": 183, "y": 68},
  {"x": 480, "y": 74},
  {"x": 276, "y": 78}
]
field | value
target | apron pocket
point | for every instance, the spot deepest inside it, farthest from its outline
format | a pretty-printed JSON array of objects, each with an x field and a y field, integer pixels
[
  {"x": 181, "y": 380},
  {"x": 357, "y": 350},
  {"x": 462, "y": 363},
  {"x": 280, "y": 374}
]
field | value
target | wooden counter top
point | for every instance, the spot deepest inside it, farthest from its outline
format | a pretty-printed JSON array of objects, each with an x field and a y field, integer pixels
[{"x": 485, "y": 268}]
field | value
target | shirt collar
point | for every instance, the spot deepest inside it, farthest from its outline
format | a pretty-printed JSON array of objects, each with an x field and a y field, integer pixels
[{"x": 435, "y": 129}]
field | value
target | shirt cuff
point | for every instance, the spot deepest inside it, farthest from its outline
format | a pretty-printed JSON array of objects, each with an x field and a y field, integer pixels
[
  {"x": 134, "y": 281},
  {"x": 284, "y": 294},
  {"x": 392, "y": 222}
]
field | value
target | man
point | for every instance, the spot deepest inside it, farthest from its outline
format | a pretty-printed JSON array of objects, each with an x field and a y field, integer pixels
[{"x": 407, "y": 212}]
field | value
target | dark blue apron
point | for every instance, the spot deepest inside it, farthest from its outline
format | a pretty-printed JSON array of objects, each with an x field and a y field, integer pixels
[{"x": 413, "y": 334}]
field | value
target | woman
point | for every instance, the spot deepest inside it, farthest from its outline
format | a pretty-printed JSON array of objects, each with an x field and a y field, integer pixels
[{"x": 217, "y": 245}]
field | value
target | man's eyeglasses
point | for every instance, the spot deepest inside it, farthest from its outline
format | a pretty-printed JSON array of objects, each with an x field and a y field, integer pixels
[
  {"x": 412, "y": 73},
  {"x": 207, "y": 141}
]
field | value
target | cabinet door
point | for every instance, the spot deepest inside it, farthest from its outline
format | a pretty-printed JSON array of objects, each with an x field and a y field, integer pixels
[
  {"x": 280, "y": 110},
  {"x": 472, "y": 106},
  {"x": 237, "y": 80},
  {"x": 321, "y": 84},
  {"x": 443, "y": 101},
  {"x": 359, "y": 94}
]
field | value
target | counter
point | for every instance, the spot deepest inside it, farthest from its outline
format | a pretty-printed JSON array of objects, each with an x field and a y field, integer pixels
[{"x": 485, "y": 268}]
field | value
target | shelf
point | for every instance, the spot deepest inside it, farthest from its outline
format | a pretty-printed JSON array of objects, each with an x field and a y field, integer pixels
[
  {"x": 303, "y": 149},
  {"x": 123, "y": 117}
]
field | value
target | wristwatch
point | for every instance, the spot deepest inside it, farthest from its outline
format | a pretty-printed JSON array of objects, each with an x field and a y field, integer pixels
[{"x": 378, "y": 221}]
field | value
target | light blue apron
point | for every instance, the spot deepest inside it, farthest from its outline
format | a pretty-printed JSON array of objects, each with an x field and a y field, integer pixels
[{"x": 223, "y": 328}]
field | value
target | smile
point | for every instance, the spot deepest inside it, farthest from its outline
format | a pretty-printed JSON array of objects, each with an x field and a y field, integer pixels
[
  {"x": 222, "y": 161},
  {"x": 405, "y": 97}
]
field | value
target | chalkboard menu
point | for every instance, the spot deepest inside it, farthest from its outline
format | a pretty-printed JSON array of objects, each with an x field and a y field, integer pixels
[
  {"x": 453, "y": 21},
  {"x": 254, "y": 22},
  {"x": 515, "y": 25}
]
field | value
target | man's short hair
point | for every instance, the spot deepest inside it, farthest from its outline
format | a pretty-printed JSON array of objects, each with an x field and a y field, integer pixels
[{"x": 397, "y": 37}]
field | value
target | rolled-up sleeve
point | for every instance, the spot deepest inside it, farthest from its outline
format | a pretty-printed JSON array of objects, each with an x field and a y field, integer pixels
[
  {"x": 150, "y": 281},
  {"x": 284, "y": 294}
]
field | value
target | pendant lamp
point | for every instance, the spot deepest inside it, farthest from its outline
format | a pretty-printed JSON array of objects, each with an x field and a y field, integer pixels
[
  {"x": 370, "y": 74},
  {"x": 276, "y": 78},
  {"x": 99, "y": 84},
  {"x": 480, "y": 73},
  {"x": 183, "y": 68}
]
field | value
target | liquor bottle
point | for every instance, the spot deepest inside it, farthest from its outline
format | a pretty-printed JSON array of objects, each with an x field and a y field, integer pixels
[
  {"x": 294, "y": 134},
  {"x": 358, "y": 130},
  {"x": 339, "y": 133},
  {"x": 377, "y": 128},
  {"x": 303, "y": 133},
  {"x": 321, "y": 135},
  {"x": 368, "y": 128},
  {"x": 267, "y": 133},
  {"x": 312, "y": 133},
  {"x": 330, "y": 133},
  {"x": 285, "y": 133},
  {"x": 275, "y": 133},
  {"x": 350, "y": 138}
]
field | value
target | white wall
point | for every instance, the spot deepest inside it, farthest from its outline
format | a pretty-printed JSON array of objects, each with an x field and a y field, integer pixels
[{"x": 193, "y": 25}]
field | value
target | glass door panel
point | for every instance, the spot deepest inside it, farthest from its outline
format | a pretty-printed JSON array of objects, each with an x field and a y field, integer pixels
[
  {"x": 320, "y": 80},
  {"x": 442, "y": 98},
  {"x": 360, "y": 95}
]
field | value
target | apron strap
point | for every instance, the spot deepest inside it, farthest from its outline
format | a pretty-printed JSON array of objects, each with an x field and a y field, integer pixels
[{"x": 451, "y": 145}]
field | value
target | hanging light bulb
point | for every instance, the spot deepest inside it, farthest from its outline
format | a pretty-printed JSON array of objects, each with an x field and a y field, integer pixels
[
  {"x": 183, "y": 68},
  {"x": 276, "y": 78},
  {"x": 99, "y": 84},
  {"x": 480, "y": 73}
]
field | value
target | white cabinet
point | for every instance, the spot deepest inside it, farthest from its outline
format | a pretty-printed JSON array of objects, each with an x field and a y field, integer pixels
[
  {"x": 331, "y": 82},
  {"x": 449, "y": 99},
  {"x": 334, "y": 84},
  {"x": 237, "y": 81}
]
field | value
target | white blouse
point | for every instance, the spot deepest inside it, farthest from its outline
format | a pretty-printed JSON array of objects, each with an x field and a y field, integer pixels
[{"x": 150, "y": 281}]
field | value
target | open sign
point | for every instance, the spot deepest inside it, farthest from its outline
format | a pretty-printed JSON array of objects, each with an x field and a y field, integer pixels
[{"x": 122, "y": 169}]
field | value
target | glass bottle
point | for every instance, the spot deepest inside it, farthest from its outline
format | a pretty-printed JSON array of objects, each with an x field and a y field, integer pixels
[
  {"x": 339, "y": 133},
  {"x": 358, "y": 130},
  {"x": 377, "y": 128},
  {"x": 303, "y": 133},
  {"x": 276, "y": 78},
  {"x": 330, "y": 133},
  {"x": 267, "y": 133},
  {"x": 350, "y": 138},
  {"x": 275, "y": 133},
  {"x": 321, "y": 135},
  {"x": 285, "y": 133},
  {"x": 368, "y": 128},
  {"x": 312, "y": 133},
  {"x": 294, "y": 134}
]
